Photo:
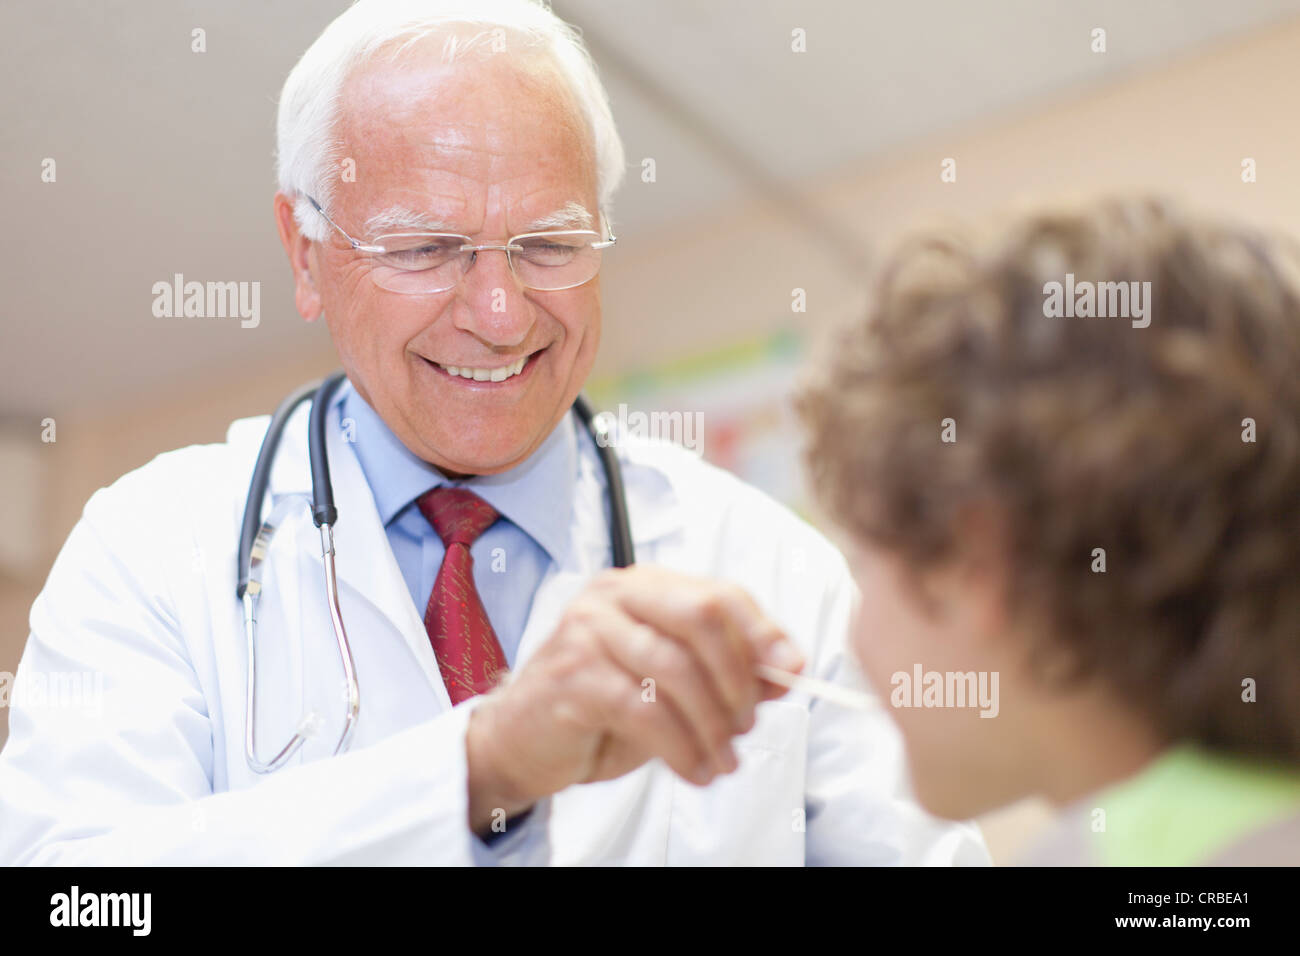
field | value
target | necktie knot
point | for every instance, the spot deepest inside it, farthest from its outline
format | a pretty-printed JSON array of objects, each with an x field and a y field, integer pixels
[{"x": 457, "y": 514}]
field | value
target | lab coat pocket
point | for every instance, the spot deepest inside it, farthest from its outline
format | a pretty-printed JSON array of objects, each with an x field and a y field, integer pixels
[{"x": 754, "y": 816}]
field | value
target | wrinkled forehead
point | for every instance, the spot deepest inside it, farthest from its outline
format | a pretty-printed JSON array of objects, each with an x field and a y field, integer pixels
[{"x": 413, "y": 114}]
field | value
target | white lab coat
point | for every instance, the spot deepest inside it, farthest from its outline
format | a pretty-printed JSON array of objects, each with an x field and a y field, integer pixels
[{"x": 143, "y": 593}]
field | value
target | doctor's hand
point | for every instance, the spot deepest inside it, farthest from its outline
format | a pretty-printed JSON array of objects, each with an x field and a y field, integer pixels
[{"x": 645, "y": 663}]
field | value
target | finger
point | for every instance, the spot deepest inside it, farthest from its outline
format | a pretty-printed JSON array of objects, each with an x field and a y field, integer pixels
[
  {"x": 703, "y": 615},
  {"x": 640, "y": 725},
  {"x": 678, "y": 674},
  {"x": 713, "y": 616},
  {"x": 777, "y": 650},
  {"x": 772, "y": 646}
]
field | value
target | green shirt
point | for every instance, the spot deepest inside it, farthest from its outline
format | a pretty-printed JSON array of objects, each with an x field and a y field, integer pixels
[{"x": 1188, "y": 805}]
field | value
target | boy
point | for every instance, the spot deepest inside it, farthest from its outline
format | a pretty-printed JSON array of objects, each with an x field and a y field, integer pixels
[{"x": 1068, "y": 461}]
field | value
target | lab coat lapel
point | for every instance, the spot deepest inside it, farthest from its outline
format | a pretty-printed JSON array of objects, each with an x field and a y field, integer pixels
[
  {"x": 367, "y": 569},
  {"x": 366, "y": 562}
]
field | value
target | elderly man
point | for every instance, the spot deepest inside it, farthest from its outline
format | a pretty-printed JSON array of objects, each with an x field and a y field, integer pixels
[{"x": 446, "y": 171}]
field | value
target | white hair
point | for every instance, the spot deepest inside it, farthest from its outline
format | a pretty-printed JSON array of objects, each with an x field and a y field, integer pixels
[{"x": 307, "y": 146}]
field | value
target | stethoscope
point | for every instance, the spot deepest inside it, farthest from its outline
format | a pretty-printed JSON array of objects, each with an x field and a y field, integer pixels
[{"x": 255, "y": 538}]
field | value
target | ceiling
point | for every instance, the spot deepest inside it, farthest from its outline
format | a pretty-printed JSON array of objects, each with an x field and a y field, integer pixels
[{"x": 164, "y": 156}]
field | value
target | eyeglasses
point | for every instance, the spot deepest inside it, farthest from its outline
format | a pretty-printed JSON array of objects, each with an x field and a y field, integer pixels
[{"x": 420, "y": 263}]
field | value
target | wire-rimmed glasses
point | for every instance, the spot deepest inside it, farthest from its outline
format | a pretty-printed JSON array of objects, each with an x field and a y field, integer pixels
[{"x": 421, "y": 263}]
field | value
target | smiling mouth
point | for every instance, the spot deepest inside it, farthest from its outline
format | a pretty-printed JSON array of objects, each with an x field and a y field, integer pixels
[{"x": 500, "y": 373}]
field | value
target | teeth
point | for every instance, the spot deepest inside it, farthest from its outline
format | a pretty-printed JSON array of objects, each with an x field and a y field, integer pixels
[{"x": 486, "y": 374}]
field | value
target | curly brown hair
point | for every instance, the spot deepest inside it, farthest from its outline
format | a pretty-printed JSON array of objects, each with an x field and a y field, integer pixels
[{"x": 1087, "y": 433}]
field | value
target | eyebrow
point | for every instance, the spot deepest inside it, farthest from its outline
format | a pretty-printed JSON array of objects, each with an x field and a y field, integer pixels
[
  {"x": 572, "y": 215},
  {"x": 401, "y": 218}
]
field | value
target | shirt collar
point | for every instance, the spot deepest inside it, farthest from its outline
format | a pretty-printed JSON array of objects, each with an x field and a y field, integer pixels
[{"x": 536, "y": 495}]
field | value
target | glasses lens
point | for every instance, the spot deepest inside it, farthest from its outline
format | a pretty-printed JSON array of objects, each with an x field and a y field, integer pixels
[
  {"x": 418, "y": 263},
  {"x": 555, "y": 260}
]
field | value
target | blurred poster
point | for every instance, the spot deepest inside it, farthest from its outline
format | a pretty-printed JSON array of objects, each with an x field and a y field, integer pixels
[{"x": 732, "y": 405}]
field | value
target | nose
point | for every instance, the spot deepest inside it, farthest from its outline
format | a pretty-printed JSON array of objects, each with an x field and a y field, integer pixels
[{"x": 490, "y": 302}]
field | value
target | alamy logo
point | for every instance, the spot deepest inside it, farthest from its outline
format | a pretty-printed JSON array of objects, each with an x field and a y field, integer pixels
[
  {"x": 103, "y": 909},
  {"x": 208, "y": 300},
  {"x": 682, "y": 428},
  {"x": 53, "y": 690},
  {"x": 1102, "y": 300},
  {"x": 945, "y": 689}
]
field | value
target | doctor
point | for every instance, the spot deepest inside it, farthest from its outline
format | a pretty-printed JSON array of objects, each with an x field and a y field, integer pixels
[{"x": 472, "y": 541}]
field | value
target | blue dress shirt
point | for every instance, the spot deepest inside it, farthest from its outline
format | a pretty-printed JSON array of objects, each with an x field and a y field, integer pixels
[{"x": 534, "y": 499}]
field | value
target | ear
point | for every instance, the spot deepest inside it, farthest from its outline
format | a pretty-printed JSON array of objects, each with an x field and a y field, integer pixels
[
  {"x": 302, "y": 259},
  {"x": 981, "y": 573}
]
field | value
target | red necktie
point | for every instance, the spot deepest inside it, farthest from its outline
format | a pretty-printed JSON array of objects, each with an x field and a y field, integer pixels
[{"x": 469, "y": 654}]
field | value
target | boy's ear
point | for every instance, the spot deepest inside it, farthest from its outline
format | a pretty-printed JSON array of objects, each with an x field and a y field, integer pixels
[
  {"x": 998, "y": 632},
  {"x": 302, "y": 258},
  {"x": 981, "y": 571}
]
